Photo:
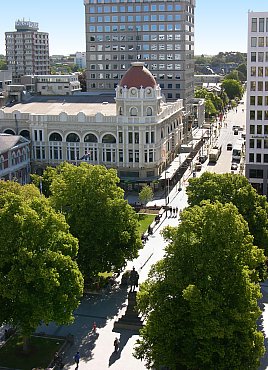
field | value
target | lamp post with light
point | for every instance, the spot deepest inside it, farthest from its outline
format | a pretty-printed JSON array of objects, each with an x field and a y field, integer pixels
[{"x": 166, "y": 190}]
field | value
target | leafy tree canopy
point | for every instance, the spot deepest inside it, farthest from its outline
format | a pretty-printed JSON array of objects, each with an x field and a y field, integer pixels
[
  {"x": 39, "y": 279},
  {"x": 227, "y": 188},
  {"x": 232, "y": 88},
  {"x": 146, "y": 194},
  {"x": 104, "y": 223},
  {"x": 200, "y": 301}
]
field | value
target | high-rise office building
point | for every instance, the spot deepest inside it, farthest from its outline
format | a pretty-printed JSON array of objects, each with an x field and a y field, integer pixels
[
  {"x": 257, "y": 102},
  {"x": 157, "y": 32},
  {"x": 27, "y": 50}
]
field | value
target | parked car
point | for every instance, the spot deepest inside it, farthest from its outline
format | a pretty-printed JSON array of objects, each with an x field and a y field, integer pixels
[
  {"x": 198, "y": 166},
  {"x": 239, "y": 128},
  {"x": 203, "y": 158},
  {"x": 234, "y": 166},
  {"x": 243, "y": 135},
  {"x": 229, "y": 146},
  {"x": 235, "y": 131}
]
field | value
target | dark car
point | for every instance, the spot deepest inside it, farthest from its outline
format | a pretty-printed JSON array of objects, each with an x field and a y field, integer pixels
[
  {"x": 235, "y": 131},
  {"x": 229, "y": 146},
  {"x": 234, "y": 166},
  {"x": 203, "y": 158}
]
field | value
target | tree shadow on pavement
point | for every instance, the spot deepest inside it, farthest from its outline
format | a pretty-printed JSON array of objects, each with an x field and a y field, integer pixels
[
  {"x": 93, "y": 308},
  {"x": 124, "y": 337}
]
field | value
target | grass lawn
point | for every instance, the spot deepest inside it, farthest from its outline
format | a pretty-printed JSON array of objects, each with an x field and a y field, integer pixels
[
  {"x": 145, "y": 219},
  {"x": 41, "y": 352}
]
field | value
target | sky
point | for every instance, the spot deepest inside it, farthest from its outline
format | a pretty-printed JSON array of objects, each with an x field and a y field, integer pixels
[{"x": 219, "y": 25}]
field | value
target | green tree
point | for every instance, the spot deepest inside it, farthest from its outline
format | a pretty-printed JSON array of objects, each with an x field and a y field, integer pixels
[
  {"x": 200, "y": 301},
  {"x": 242, "y": 69},
  {"x": 227, "y": 188},
  {"x": 39, "y": 279},
  {"x": 146, "y": 194},
  {"x": 104, "y": 223},
  {"x": 232, "y": 88}
]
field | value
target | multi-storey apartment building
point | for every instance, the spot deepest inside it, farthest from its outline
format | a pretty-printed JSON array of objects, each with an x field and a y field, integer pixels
[
  {"x": 159, "y": 33},
  {"x": 27, "y": 50},
  {"x": 257, "y": 102}
]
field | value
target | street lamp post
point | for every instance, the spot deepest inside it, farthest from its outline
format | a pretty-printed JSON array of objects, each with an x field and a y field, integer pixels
[{"x": 166, "y": 191}]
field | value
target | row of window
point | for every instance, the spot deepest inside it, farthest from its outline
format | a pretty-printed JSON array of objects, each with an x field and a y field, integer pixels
[
  {"x": 136, "y": 18},
  {"x": 144, "y": 28},
  {"x": 258, "y": 158},
  {"x": 152, "y": 67},
  {"x": 259, "y": 71},
  {"x": 131, "y": 47},
  {"x": 258, "y": 100},
  {"x": 258, "y": 143},
  {"x": 259, "y": 41},
  {"x": 134, "y": 9},
  {"x": 258, "y": 115},
  {"x": 91, "y": 154},
  {"x": 258, "y": 129},
  {"x": 258, "y": 85},
  {"x": 259, "y": 57},
  {"x": 259, "y": 25},
  {"x": 123, "y": 37}
]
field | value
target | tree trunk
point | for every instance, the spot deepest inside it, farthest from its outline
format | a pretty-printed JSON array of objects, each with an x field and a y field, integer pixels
[{"x": 26, "y": 344}]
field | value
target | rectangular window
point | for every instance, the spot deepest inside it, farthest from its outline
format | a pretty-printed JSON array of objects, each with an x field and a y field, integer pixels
[
  {"x": 251, "y": 143},
  {"x": 254, "y": 25},
  {"x": 253, "y": 42},
  {"x": 152, "y": 137},
  {"x": 259, "y": 129},
  {"x": 253, "y": 71},
  {"x": 252, "y": 85},
  {"x": 259, "y": 115},
  {"x": 130, "y": 138},
  {"x": 137, "y": 139},
  {"x": 121, "y": 155},
  {"x": 252, "y": 115},
  {"x": 120, "y": 137},
  {"x": 130, "y": 155},
  {"x": 253, "y": 56},
  {"x": 252, "y": 100},
  {"x": 251, "y": 157},
  {"x": 258, "y": 157},
  {"x": 260, "y": 86},
  {"x": 259, "y": 100},
  {"x": 252, "y": 129},
  {"x": 261, "y": 24},
  {"x": 137, "y": 156},
  {"x": 259, "y": 143}
]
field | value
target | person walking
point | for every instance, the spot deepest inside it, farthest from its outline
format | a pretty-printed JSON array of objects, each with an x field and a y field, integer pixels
[
  {"x": 94, "y": 327},
  {"x": 116, "y": 345},
  {"x": 77, "y": 358}
]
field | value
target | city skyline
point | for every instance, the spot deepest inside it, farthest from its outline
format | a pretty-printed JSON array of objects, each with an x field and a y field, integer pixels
[{"x": 217, "y": 28}]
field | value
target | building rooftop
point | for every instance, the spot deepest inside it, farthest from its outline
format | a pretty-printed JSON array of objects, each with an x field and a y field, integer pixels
[
  {"x": 9, "y": 141},
  {"x": 71, "y": 105}
]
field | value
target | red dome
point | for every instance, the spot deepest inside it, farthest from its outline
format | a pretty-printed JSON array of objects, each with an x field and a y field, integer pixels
[{"x": 137, "y": 75}]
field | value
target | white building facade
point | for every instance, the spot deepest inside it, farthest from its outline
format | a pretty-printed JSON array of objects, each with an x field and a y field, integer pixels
[
  {"x": 256, "y": 166},
  {"x": 138, "y": 134}
]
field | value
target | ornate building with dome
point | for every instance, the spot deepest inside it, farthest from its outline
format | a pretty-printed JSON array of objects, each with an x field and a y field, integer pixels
[{"x": 135, "y": 132}]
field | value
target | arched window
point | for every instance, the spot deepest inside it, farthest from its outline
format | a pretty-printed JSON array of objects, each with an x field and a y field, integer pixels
[
  {"x": 73, "y": 138},
  {"x": 149, "y": 111},
  {"x": 25, "y": 133},
  {"x": 90, "y": 138},
  {"x": 10, "y": 132},
  {"x": 133, "y": 111},
  {"x": 108, "y": 139},
  {"x": 55, "y": 137}
]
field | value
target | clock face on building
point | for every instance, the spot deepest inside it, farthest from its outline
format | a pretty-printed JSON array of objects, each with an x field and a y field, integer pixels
[
  {"x": 149, "y": 92},
  {"x": 133, "y": 91}
]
